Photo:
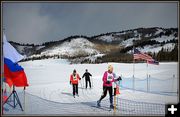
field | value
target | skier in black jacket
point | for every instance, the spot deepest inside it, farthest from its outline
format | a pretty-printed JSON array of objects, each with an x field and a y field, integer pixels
[{"x": 87, "y": 78}]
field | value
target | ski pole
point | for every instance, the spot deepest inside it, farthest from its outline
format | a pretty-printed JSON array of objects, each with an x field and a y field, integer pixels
[
  {"x": 81, "y": 87},
  {"x": 114, "y": 104},
  {"x": 92, "y": 81},
  {"x": 83, "y": 83}
]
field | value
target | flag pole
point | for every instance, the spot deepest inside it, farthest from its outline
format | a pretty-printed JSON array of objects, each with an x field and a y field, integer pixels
[
  {"x": 24, "y": 100},
  {"x": 2, "y": 68},
  {"x": 133, "y": 71},
  {"x": 133, "y": 75},
  {"x": 147, "y": 74},
  {"x": 133, "y": 61},
  {"x": 114, "y": 104}
]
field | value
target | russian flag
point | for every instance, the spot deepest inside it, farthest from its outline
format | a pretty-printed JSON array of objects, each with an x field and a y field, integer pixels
[
  {"x": 14, "y": 74},
  {"x": 10, "y": 52}
]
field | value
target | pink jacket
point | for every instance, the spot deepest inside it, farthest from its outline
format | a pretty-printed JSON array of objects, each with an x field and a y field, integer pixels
[{"x": 105, "y": 79}]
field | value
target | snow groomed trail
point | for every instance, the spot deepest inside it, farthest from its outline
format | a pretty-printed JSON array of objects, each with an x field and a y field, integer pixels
[
  {"x": 50, "y": 93},
  {"x": 34, "y": 105}
]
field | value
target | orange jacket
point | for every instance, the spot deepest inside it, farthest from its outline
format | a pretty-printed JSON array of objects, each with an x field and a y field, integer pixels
[{"x": 74, "y": 79}]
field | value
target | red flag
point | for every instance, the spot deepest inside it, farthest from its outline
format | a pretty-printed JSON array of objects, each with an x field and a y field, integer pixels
[
  {"x": 17, "y": 78},
  {"x": 14, "y": 74}
]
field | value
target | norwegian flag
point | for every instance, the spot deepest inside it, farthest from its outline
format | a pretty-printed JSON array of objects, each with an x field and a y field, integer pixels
[{"x": 142, "y": 56}]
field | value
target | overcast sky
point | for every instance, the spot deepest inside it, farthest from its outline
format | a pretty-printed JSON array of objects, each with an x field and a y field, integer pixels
[{"x": 42, "y": 22}]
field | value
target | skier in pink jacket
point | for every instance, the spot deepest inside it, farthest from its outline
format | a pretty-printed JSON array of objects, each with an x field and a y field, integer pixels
[{"x": 108, "y": 79}]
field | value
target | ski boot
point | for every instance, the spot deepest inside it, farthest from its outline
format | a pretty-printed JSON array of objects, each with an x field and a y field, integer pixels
[
  {"x": 111, "y": 106},
  {"x": 77, "y": 94},
  {"x": 98, "y": 104}
]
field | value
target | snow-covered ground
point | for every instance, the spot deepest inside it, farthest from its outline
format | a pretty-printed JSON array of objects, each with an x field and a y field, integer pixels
[
  {"x": 165, "y": 38},
  {"x": 156, "y": 49},
  {"x": 71, "y": 48},
  {"x": 106, "y": 38},
  {"x": 129, "y": 42},
  {"x": 49, "y": 91}
]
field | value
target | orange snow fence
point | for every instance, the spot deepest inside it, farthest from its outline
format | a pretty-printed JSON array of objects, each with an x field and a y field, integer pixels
[{"x": 117, "y": 90}]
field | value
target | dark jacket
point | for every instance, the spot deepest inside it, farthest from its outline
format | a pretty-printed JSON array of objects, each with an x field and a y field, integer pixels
[{"x": 87, "y": 75}]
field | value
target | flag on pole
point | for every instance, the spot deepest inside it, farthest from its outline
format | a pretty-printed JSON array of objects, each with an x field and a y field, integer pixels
[
  {"x": 13, "y": 73},
  {"x": 141, "y": 56},
  {"x": 152, "y": 61},
  {"x": 10, "y": 52}
]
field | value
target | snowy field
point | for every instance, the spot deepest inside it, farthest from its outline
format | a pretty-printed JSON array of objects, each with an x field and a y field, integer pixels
[{"x": 49, "y": 91}]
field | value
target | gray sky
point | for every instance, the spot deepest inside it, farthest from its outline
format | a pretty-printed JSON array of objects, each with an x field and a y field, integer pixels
[{"x": 41, "y": 22}]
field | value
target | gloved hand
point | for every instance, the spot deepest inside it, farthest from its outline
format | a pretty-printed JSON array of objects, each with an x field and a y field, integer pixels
[
  {"x": 119, "y": 78},
  {"x": 108, "y": 82},
  {"x": 70, "y": 82}
]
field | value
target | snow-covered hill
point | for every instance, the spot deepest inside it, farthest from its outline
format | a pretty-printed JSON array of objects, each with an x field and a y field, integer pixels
[
  {"x": 157, "y": 48},
  {"x": 165, "y": 38},
  {"x": 76, "y": 47}
]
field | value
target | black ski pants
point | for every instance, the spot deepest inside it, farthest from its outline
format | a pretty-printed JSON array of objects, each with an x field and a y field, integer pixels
[
  {"x": 88, "y": 80},
  {"x": 105, "y": 89},
  {"x": 75, "y": 88}
]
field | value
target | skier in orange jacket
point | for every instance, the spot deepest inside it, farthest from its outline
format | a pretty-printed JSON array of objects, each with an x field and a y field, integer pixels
[{"x": 74, "y": 78}]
